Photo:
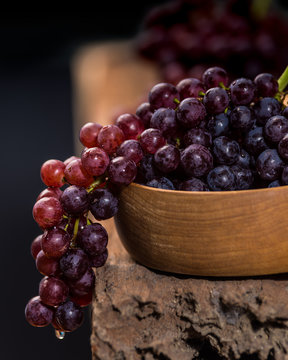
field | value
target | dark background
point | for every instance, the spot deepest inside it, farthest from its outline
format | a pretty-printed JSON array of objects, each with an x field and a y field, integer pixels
[{"x": 36, "y": 125}]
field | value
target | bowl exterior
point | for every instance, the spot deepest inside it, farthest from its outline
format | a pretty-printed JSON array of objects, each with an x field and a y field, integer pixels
[{"x": 237, "y": 233}]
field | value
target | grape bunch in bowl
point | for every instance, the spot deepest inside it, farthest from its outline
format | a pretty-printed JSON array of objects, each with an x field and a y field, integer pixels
[{"x": 199, "y": 144}]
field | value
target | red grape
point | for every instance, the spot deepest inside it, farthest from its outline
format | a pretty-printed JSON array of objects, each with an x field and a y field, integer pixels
[
  {"x": 47, "y": 212},
  {"x": 52, "y": 173}
]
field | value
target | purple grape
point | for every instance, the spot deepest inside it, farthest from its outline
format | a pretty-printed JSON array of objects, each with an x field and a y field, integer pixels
[
  {"x": 163, "y": 95},
  {"x": 144, "y": 112},
  {"x": 190, "y": 113},
  {"x": 55, "y": 242},
  {"x": 103, "y": 204},
  {"x": 276, "y": 128},
  {"x": 131, "y": 125},
  {"x": 167, "y": 158},
  {"x": 266, "y": 84},
  {"x": 216, "y": 100},
  {"x": 95, "y": 161},
  {"x": 161, "y": 183},
  {"x": 218, "y": 125},
  {"x": 74, "y": 200},
  {"x": 53, "y": 291},
  {"x": 69, "y": 316},
  {"x": 147, "y": 170},
  {"x": 266, "y": 108},
  {"x": 213, "y": 76},
  {"x": 151, "y": 140},
  {"x": 225, "y": 150},
  {"x": 122, "y": 171},
  {"x": 131, "y": 149},
  {"x": 243, "y": 177},
  {"x": 269, "y": 165},
  {"x": 242, "y": 91},
  {"x": 274, "y": 183},
  {"x": 38, "y": 314},
  {"x": 285, "y": 112},
  {"x": 196, "y": 160},
  {"x": 83, "y": 285},
  {"x": 47, "y": 266},
  {"x": 74, "y": 263},
  {"x": 193, "y": 184},
  {"x": 36, "y": 246},
  {"x": 221, "y": 178},
  {"x": 284, "y": 176},
  {"x": 197, "y": 136},
  {"x": 165, "y": 121},
  {"x": 241, "y": 118},
  {"x": 254, "y": 141},
  {"x": 190, "y": 87},
  {"x": 93, "y": 239},
  {"x": 283, "y": 147},
  {"x": 99, "y": 259}
]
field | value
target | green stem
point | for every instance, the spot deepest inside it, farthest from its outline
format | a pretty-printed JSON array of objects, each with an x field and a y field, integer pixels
[
  {"x": 96, "y": 183},
  {"x": 283, "y": 80},
  {"x": 260, "y": 8},
  {"x": 75, "y": 233}
]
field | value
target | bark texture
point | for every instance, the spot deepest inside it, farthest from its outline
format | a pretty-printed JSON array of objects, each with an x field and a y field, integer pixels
[{"x": 139, "y": 313}]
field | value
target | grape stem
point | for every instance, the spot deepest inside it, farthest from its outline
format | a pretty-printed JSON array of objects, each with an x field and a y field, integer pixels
[
  {"x": 75, "y": 232},
  {"x": 96, "y": 183},
  {"x": 283, "y": 80}
]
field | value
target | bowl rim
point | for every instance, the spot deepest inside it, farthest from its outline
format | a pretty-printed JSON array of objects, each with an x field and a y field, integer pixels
[{"x": 209, "y": 193}]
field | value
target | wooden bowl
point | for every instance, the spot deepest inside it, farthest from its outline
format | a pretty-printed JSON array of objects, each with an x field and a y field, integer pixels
[{"x": 235, "y": 233}]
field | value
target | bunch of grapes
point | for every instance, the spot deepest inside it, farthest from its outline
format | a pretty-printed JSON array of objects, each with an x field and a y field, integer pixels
[
  {"x": 208, "y": 135},
  {"x": 185, "y": 37}
]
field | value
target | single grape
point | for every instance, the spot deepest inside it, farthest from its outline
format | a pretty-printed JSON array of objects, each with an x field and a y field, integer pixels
[
  {"x": 74, "y": 200},
  {"x": 243, "y": 177},
  {"x": 283, "y": 147},
  {"x": 161, "y": 183},
  {"x": 82, "y": 285},
  {"x": 69, "y": 316},
  {"x": 55, "y": 242},
  {"x": 285, "y": 112},
  {"x": 269, "y": 165},
  {"x": 221, "y": 178},
  {"x": 50, "y": 192},
  {"x": 242, "y": 91},
  {"x": 163, "y": 95},
  {"x": 89, "y": 133},
  {"x": 190, "y": 87},
  {"x": 47, "y": 266},
  {"x": 225, "y": 150},
  {"x": 131, "y": 125},
  {"x": 167, "y": 158},
  {"x": 47, "y": 212},
  {"x": 147, "y": 169},
  {"x": 266, "y": 84},
  {"x": 53, "y": 291},
  {"x": 213, "y": 76},
  {"x": 36, "y": 246},
  {"x": 151, "y": 140},
  {"x": 122, "y": 171},
  {"x": 95, "y": 161},
  {"x": 218, "y": 125},
  {"x": 71, "y": 158},
  {"x": 131, "y": 149},
  {"x": 38, "y": 314},
  {"x": 274, "y": 183},
  {"x": 276, "y": 128},
  {"x": 255, "y": 142},
  {"x": 193, "y": 184},
  {"x": 284, "y": 176},
  {"x": 93, "y": 239},
  {"x": 144, "y": 112},
  {"x": 190, "y": 112},
  {"x": 103, "y": 204},
  {"x": 196, "y": 160},
  {"x": 74, "y": 263},
  {"x": 52, "y": 173},
  {"x": 241, "y": 118},
  {"x": 82, "y": 300},
  {"x": 99, "y": 259},
  {"x": 164, "y": 120},
  {"x": 109, "y": 138},
  {"x": 216, "y": 100},
  {"x": 197, "y": 136},
  {"x": 75, "y": 174},
  {"x": 266, "y": 108}
]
